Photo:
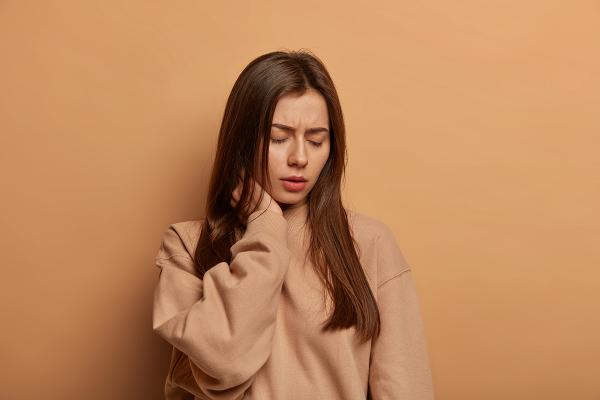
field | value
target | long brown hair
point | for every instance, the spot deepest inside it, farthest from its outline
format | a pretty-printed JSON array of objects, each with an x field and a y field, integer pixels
[{"x": 246, "y": 125}]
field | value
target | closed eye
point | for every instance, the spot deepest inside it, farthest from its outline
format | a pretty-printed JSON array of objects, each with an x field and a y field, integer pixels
[
  {"x": 278, "y": 140},
  {"x": 316, "y": 144}
]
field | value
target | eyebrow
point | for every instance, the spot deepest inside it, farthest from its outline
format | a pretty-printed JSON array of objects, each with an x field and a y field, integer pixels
[{"x": 292, "y": 129}]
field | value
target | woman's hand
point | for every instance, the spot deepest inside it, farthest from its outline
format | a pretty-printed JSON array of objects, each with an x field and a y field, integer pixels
[{"x": 267, "y": 202}]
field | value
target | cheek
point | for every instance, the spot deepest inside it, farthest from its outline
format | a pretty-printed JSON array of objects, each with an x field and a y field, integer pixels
[
  {"x": 276, "y": 163},
  {"x": 323, "y": 157}
]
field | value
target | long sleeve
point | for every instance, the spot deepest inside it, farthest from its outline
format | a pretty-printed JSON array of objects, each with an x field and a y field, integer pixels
[
  {"x": 221, "y": 327},
  {"x": 399, "y": 365}
]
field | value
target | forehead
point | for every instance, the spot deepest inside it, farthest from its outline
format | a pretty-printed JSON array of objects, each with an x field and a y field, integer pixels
[{"x": 309, "y": 108}]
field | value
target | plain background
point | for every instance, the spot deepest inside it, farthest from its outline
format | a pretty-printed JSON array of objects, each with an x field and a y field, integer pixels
[{"x": 472, "y": 131}]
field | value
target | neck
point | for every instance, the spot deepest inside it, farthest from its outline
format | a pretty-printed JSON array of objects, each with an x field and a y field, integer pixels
[{"x": 295, "y": 214}]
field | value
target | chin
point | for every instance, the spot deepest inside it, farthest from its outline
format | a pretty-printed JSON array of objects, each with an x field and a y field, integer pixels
[{"x": 288, "y": 198}]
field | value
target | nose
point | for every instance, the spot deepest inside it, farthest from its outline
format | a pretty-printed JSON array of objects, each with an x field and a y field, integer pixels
[{"x": 298, "y": 155}]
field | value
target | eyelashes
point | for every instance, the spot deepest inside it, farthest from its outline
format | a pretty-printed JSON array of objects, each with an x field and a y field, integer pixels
[{"x": 315, "y": 144}]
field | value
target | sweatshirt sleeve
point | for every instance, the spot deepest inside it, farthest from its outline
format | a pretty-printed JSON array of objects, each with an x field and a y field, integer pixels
[
  {"x": 399, "y": 365},
  {"x": 221, "y": 327}
]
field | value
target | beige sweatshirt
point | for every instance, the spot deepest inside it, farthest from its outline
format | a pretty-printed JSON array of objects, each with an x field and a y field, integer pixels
[{"x": 251, "y": 329}]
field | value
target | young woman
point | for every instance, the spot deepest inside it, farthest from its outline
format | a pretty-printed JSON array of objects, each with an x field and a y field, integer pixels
[{"x": 280, "y": 292}]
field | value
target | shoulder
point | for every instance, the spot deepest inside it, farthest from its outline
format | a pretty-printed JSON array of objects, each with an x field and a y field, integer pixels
[
  {"x": 380, "y": 245},
  {"x": 365, "y": 225},
  {"x": 367, "y": 228},
  {"x": 180, "y": 239}
]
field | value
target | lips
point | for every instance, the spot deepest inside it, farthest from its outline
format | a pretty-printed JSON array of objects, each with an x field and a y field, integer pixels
[
  {"x": 293, "y": 186},
  {"x": 295, "y": 179}
]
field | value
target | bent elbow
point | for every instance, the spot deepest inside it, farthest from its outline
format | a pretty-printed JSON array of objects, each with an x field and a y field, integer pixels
[{"x": 222, "y": 376}]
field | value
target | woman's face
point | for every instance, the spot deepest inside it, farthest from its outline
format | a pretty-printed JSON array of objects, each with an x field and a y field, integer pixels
[{"x": 299, "y": 145}]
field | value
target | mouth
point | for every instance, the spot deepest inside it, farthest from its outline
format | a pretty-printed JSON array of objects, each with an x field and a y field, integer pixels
[
  {"x": 295, "y": 179},
  {"x": 294, "y": 184}
]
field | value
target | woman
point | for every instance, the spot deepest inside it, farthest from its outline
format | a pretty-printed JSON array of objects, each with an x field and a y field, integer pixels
[{"x": 280, "y": 292}]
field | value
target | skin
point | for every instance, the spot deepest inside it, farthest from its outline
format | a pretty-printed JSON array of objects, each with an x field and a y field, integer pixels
[
  {"x": 294, "y": 151},
  {"x": 297, "y": 147}
]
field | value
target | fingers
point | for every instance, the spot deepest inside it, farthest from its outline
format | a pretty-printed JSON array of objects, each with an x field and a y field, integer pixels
[
  {"x": 257, "y": 190},
  {"x": 235, "y": 195},
  {"x": 237, "y": 191}
]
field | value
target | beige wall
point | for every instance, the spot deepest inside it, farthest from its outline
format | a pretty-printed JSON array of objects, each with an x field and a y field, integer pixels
[{"x": 473, "y": 132}]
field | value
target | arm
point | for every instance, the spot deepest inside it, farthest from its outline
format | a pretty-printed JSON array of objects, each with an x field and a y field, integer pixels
[
  {"x": 399, "y": 366},
  {"x": 224, "y": 323}
]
